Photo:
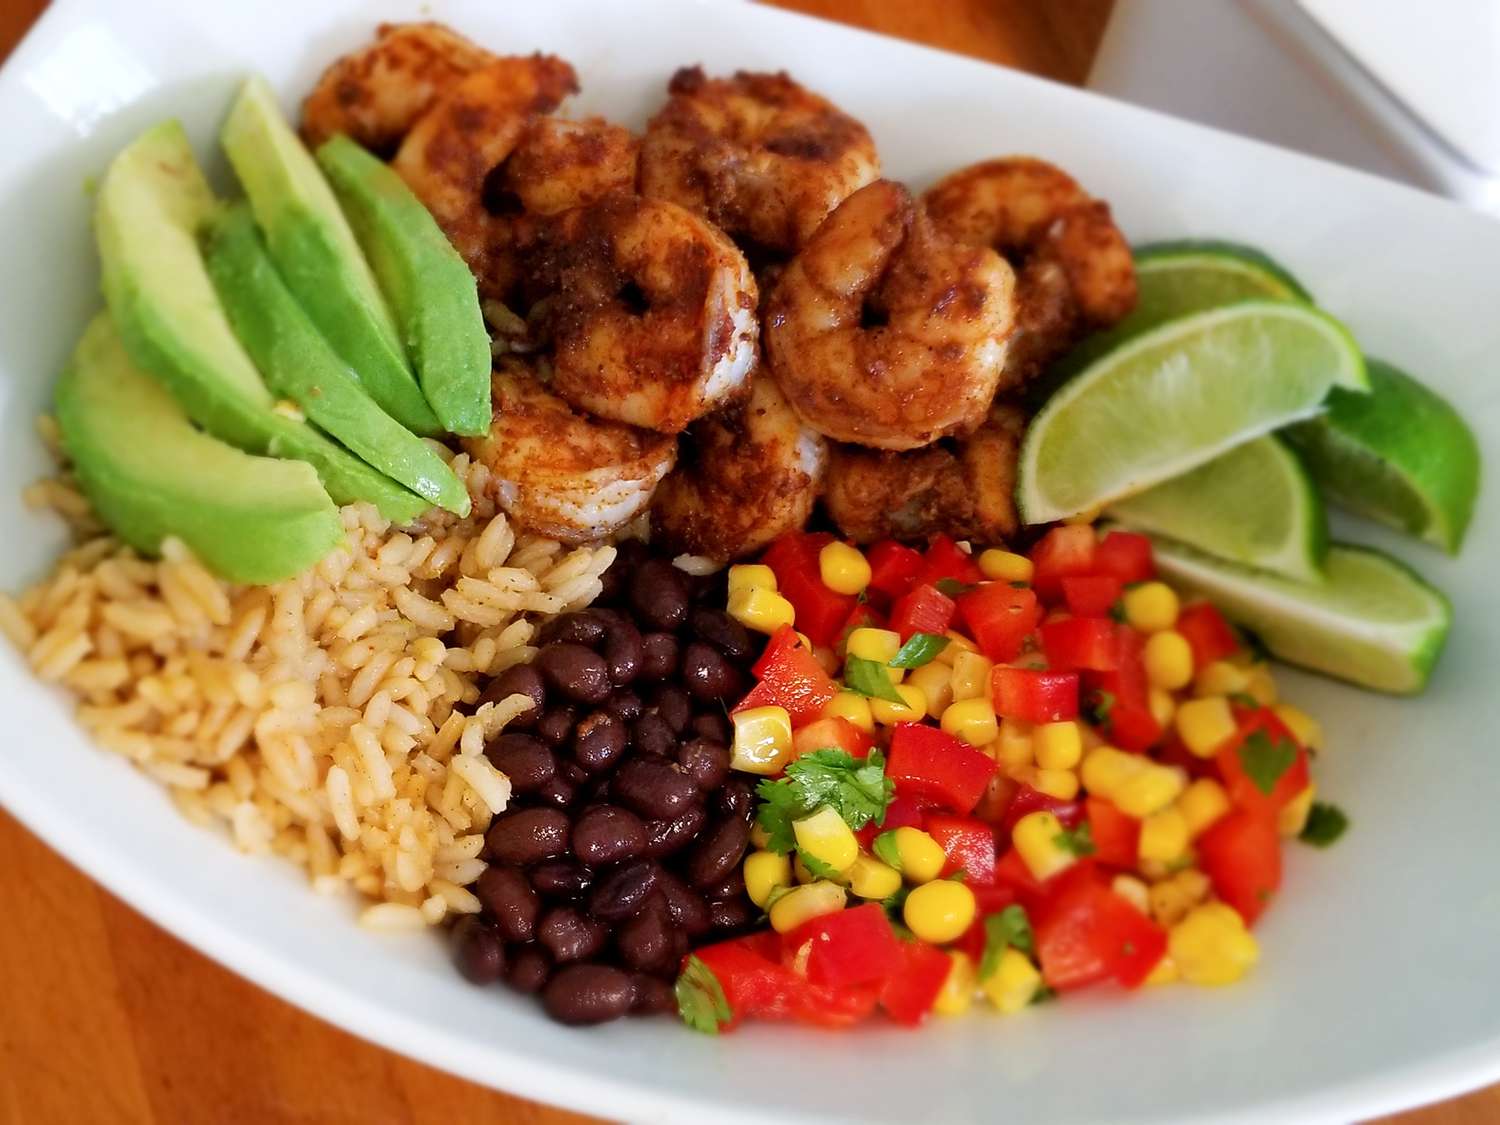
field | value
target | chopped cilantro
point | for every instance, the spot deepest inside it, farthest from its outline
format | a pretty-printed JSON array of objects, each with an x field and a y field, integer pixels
[
  {"x": 952, "y": 587},
  {"x": 1008, "y": 928},
  {"x": 958, "y": 875},
  {"x": 855, "y": 788},
  {"x": 1019, "y": 585},
  {"x": 1099, "y": 708},
  {"x": 1265, "y": 761},
  {"x": 1044, "y": 995},
  {"x": 868, "y": 678},
  {"x": 1117, "y": 612},
  {"x": 776, "y": 895},
  {"x": 1079, "y": 841},
  {"x": 1244, "y": 699},
  {"x": 700, "y": 998},
  {"x": 886, "y": 851},
  {"x": 919, "y": 650},
  {"x": 1325, "y": 824},
  {"x": 895, "y": 905},
  {"x": 819, "y": 869}
]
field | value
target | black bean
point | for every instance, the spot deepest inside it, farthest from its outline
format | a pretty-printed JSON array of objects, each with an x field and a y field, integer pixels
[
  {"x": 598, "y": 791},
  {"x": 477, "y": 950},
  {"x": 524, "y": 759},
  {"x": 654, "y": 996},
  {"x": 731, "y": 914},
  {"x": 685, "y": 907},
  {"x": 660, "y": 653},
  {"x": 570, "y": 935},
  {"x": 717, "y": 852},
  {"x": 708, "y": 674},
  {"x": 650, "y": 734},
  {"x": 723, "y": 632},
  {"x": 574, "y": 671},
  {"x": 620, "y": 894},
  {"x": 645, "y": 942},
  {"x": 665, "y": 837},
  {"x": 731, "y": 886},
  {"x": 559, "y": 793},
  {"x": 612, "y": 584},
  {"x": 529, "y": 968},
  {"x": 659, "y": 594},
  {"x": 622, "y": 651},
  {"x": 709, "y": 589},
  {"x": 712, "y": 725},
  {"x": 706, "y": 762},
  {"x": 518, "y": 679},
  {"x": 608, "y": 834},
  {"x": 560, "y": 878},
  {"x": 598, "y": 740},
  {"x": 625, "y": 705},
  {"x": 629, "y": 554},
  {"x": 587, "y": 994},
  {"x": 556, "y": 724},
  {"x": 654, "y": 789},
  {"x": 529, "y": 835},
  {"x": 508, "y": 897},
  {"x": 736, "y": 798},
  {"x": 585, "y": 627},
  {"x": 674, "y": 705}
]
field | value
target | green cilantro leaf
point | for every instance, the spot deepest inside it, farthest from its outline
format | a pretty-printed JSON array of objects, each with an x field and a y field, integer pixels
[
  {"x": 1044, "y": 994},
  {"x": 895, "y": 906},
  {"x": 1244, "y": 699},
  {"x": 919, "y": 650},
  {"x": 776, "y": 895},
  {"x": 819, "y": 869},
  {"x": 1117, "y": 612},
  {"x": 1080, "y": 841},
  {"x": 1325, "y": 824},
  {"x": 700, "y": 998},
  {"x": 1008, "y": 928},
  {"x": 952, "y": 587},
  {"x": 1265, "y": 761},
  {"x": 958, "y": 875},
  {"x": 1099, "y": 708},
  {"x": 855, "y": 788},
  {"x": 868, "y": 678},
  {"x": 886, "y": 851}
]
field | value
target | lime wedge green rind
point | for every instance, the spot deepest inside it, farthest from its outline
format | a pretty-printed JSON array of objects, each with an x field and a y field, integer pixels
[
  {"x": 1176, "y": 397},
  {"x": 1254, "y": 272},
  {"x": 1400, "y": 455},
  {"x": 1256, "y": 505},
  {"x": 1374, "y": 622}
]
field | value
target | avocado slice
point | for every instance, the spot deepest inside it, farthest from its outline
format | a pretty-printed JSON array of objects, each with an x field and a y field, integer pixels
[
  {"x": 315, "y": 251},
  {"x": 149, "y": 473},
  {"x": 150, "y": 204},
  {"x": 431, "y": 290},
  {"x": 298, "y": 362}
]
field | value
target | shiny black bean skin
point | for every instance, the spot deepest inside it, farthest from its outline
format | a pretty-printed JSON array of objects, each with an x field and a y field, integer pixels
[
  {"x": 574, "y": 672},
  {"x": 685, "y": 907},
  {"x": 623, "y": 891},
  {"x": 717, "y": 852},
  {"x": 580, "y": 995},
  {"x": 665, "y": 837},
  {"x": 477, "y": 950},
  {"x": 598, "y": 741},
  {"x": 529, "y": 968},
  {"x": 731, "y": 914},
  {"x": 660, "y": 654},
  {"x": 712, "y": 725},
  {"x": 658, "y": 593},
  {"x": 586, "y": 627},
  {"x": 674, "y": 706},
  {"x": 704, "y": 761},
  {"x": 623, "y": 653},
  {"x": 569, "y": 934},
  {"x": 625, "y": 705},
  {"x": 730, "y": 886},
  {"x": 645, "y": 941},
  {"x": 608, "y": 834},
  {"x": 650, "y": 734},
  {"x": 509, "y": 899},
  {"x": 556, "y": 724},
  {"x": 529, "y": 835},
  {"x": 654, "y": 789},
  {"x": 654, "y": 996},
  {"x": 598, "y": 791},
  {"x": 723, "y": 632},
  {"x": 519, "y": 679},
  {"x": 560, "y": 878},
  {"x": 736, "y": 798},
  {"x": 559, "y": 793},
  {"x": 525, "y": 760},
  {"x": 708, "y": 674}
]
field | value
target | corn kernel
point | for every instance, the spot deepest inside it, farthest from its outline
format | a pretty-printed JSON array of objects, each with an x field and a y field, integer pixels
[
  {"x": 972, "y": 720},
  {"x": 1293, "y": 816},
  {"x": 1211, "y": 946},
  {"x": 912, "y": 707},
  {"x": 1205, "y": 724},
  {"x": 843, "y": 568},
  {"x": 825, "y": 837},
  {"x": 1060, "y": 785},
  {"x": 852, "y": 706},
  {"x": 971, "y": 676},
  {"x": 1057, "y": 746},
  {"x": 1164, "y": 836},
  {"x": 1162, "y": 706},
  {"x": 957, "y": 643},
  {"x": 1014, "y": 748},
  {"x": 933, "y": 680},
  {"x": 1005, "y": 566},
  {"x": 764, "y": 872},
  {"x": 1202, "y": 803},
  {"x": 1036, "y": 838},
  {"x": 1106, "y": 769},
  {"x": 957, "y": 993},
  {"x": 1014, "y": 983},
  {"x": 879, "y": 645},
  {"x": 1164, "y": 973},
  {"x": 869, "y": 878},
  {"x": 1133, "y": 891},
  {"x": 803, "y": 874},
  {"x": 922, "y": 857},
  {"x": 1260, "y": 684},
  {"x": 1169, "y": 660},
  {"x": 803, "y": 904},
  {"x": 1305, "y": 729},
  {"x": 1171, "y": 898},
  {"x": 1153, "y": 788},
  {"x": 1221, "y": 677},
  {"x": 760, "y": 609},
  {"x": 940, "y": 911},
  {"x": 762, "y": 740},
  {"x": 759, "y": 837},
  {"x": 1151, "y": 607},
  {"x": 751, "y": 576}
]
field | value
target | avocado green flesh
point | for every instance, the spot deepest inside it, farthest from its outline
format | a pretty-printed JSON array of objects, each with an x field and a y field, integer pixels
[
  {"x": 311, "y": 243},
  {"x": 430, "y": 288},
  {"x": 150, "y": 474},
  {"x": 299, "y": 364},
  {"x": 150, "y": 205}
]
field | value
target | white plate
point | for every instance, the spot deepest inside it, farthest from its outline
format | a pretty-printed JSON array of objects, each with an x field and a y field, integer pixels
[{"x": 1379, "y": 975}]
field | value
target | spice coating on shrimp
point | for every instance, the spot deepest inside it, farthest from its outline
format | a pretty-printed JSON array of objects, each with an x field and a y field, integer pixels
[
  {"x": 882, "y": 332},
  {"x": 560, "y": 164}
]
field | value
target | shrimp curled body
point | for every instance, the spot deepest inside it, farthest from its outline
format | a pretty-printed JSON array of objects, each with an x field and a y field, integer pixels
[{"x": 882, "y": 332}]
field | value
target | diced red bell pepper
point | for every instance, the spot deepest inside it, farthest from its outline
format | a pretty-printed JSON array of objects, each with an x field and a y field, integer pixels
[
  {"x": 790, "y": 677},
  {"x": 1087, "y": 933},
  {"x": 1081, "y": 643},
  {"x": 924, "y": 610},
  {"x": 1011, "y": 871},
  {"x": 929, "y": 763},
  {"x": 904, "y": 810},
  {"x": 847, "y": 947},
  {"x": 1241, "y": 854},
  {"x": 969, "y": 845},
  {"x": 993, "y": 899},
  {"x": 834, "y": 732},
  {"x": 909, "y": 993},
  {"x": 865, "y": 616},
  {"x": 1262, "y": 733},
  {"x": 1034, "y": 695},
  {"x": 1125, "y": 556},
  {"x": 1000, "y": 617},
  {"x": 834, "y": 1008},
  {"x": 1064, "y": 551},
  {"x": 1116, "y": 836},
  {"x": 1091, "y": 595},
  {"x": 894, "y": 567},
  {"x": 1207, "y": 633},
  {"x": 1029, "y": 800},
  {"x": 945, "y": 559},
  {"x": 1121, "y": 696},
  {"x": 755, "y": 982},
  {"x": 821, "y": 612}
]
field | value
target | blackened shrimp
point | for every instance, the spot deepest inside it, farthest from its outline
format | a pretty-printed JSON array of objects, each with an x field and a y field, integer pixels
[
  {"x": 746, "y": 474},
  {"x": 759, "y": 156},
  {"x": 961, "y": 488},
  {"x": 559, "y": 472},
  {"x": 1074, "y": 270},
  {"x": 883, "y": 332},
  {"x": 560, "y": 164},
  {"x": 652, "y": 316}
]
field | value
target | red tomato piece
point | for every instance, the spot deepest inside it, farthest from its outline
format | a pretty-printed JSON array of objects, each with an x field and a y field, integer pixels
[
  {"x": 1000, "y": 617},
  {"x": 969, "y": 845},
  {"x": 1029, "y": 800},
  {"x": 847, "y": 947},
  {"x": 1241, "y": 854},
  {"x": 1116, "y": 836},
  {"x": 1081, "y": 643},
  {"x": 1034, "y": 695},
  {"x": 790, "y": 677},
  {"x": 1126, "y": 556},
  {"x": 1063, "y": 552},
  {"x": 909, "y": 993},
  {"x": 1091, "y": 595},
  {"x": 1087, "y": 933},
  {"x": 821, "y": 612},
  {"x": 945, "y": 559},
  {"x": 1207, "y": 633},
  {"x": 1121, "y": 696},
  {"x": 834, "y": 732},
  {"x": 894, "y": 567},
  {"x": 926, "y": 762},
  {"x": 1262, "y": 743},
  {"x": 924, "y": 610}
]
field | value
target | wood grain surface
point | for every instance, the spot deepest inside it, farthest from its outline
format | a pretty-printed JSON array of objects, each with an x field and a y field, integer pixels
[{"x": 105, "y": 1018}]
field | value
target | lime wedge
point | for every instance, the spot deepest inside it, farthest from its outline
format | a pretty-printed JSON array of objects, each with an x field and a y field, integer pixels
[
  {"x": 1183, "y": 277},
  {"x": 1177, "y": 396},
  {"x": 1400, "y": 455},
  {"x": 1254, "y": 505},
  {"x": 1373, "y": 622}
]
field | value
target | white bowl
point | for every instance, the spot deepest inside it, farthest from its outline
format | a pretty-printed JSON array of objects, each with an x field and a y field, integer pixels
[{"x": 1380, "y": 976}]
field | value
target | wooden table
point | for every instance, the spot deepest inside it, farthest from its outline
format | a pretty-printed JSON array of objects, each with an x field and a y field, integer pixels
[{"x": 106, "y": 1018}]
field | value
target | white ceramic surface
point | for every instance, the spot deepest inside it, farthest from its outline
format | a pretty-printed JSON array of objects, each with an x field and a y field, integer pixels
[{"x": 1379, "y": 981}]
